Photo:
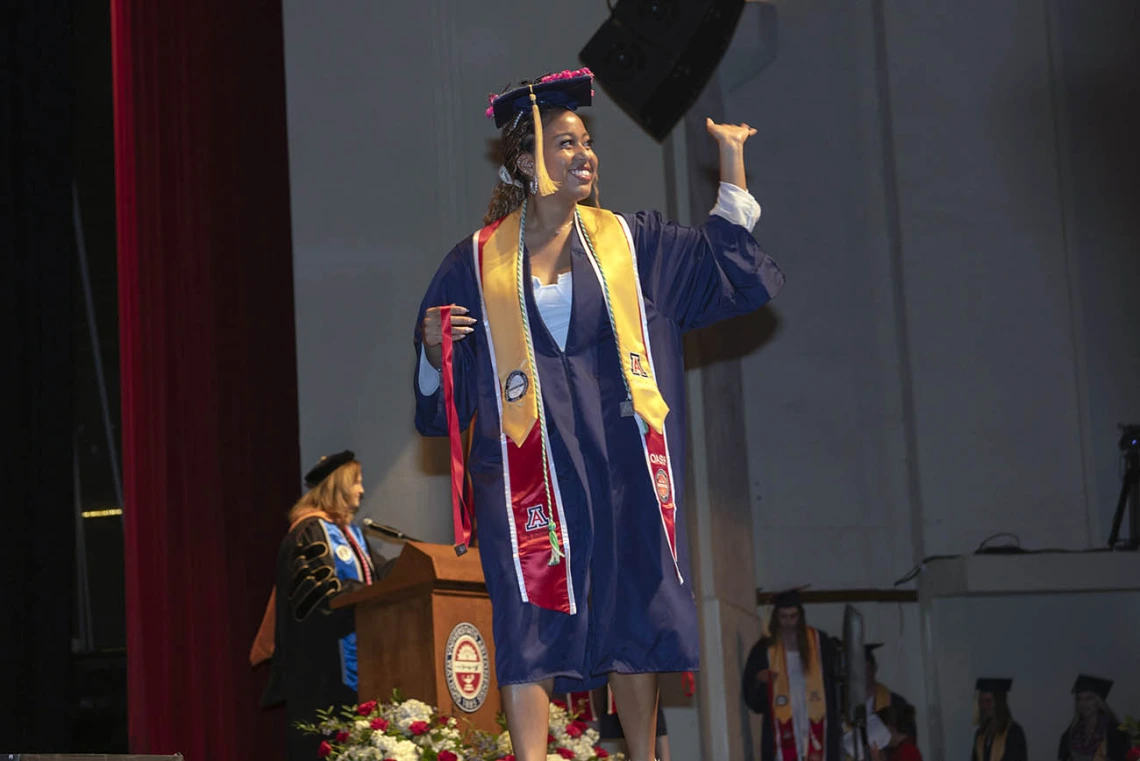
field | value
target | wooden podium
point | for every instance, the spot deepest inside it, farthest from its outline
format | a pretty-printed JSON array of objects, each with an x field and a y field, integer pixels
[{"x": 426, "y": 629}]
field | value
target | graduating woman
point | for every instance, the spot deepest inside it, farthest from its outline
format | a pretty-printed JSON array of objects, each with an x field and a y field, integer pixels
[
  {"x": 1094, "y": 733},
  {"x": 998, "y": 737},
  {"x": 564, "y": 324}
]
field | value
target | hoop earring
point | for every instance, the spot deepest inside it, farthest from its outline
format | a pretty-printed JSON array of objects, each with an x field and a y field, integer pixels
[{"x": 534, "y": 186}]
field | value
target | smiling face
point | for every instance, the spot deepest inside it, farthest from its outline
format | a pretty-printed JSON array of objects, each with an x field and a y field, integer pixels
[{"x": 569, "y": 154}]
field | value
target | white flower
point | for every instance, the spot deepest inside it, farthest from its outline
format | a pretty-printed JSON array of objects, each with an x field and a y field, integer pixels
[
  {"x": 361, "y": 754},
  {"x": 361, "y": 724},
  {"x": 396, "y": 747},
  {"x": 411, "y": 711},
  {"x": 554, "y": 757},
  {"x": 444, "y": 738},
  {"x": 504, "y": 744},
  {"x": 558, "y": 718}
]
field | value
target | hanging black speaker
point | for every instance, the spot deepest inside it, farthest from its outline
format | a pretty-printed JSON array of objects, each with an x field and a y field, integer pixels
[{"x": 654, "y": 57}]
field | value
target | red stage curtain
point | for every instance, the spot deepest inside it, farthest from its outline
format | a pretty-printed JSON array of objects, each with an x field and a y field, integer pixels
[{"x": 209, "y": 385}]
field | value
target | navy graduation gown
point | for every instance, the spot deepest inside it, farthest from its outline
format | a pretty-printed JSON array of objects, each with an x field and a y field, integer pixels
[{"x": 633, "y": 614}]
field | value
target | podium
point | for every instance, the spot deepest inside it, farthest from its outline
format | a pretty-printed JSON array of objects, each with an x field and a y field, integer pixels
[{"x": 425, "y": 629}]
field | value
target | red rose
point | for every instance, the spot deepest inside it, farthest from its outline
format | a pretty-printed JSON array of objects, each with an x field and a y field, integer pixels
[
  {"x": 324, "y": 750},
  {"x": 558, "y": 703},
  {"x": 443, "y": 721},
  {"x": 379, "y": 723},
  {"x": 1133, "y": 754},
  {"x": 446, "y": 755},
  {"x": 508, "y": 757},
  {"x": 418, "y": 728},
  {"x": 576, "y": 728},
  {"x": 366, "y": 708},
  {"x": 601, "y": 753},
  {"x": 342, "y": 736},
  {"x": 550, "y": 739},
  {"x": 566, "y": 753}
]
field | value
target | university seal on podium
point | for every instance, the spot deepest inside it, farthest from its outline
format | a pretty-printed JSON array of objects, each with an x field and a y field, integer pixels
[{"x": 466, "y": 665}]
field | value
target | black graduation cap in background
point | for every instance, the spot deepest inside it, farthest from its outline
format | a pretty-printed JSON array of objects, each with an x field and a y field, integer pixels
[
  {"x": 1092, "y": 684},
  {"x": 993, "y": 685},
  {"x": 869, "y": 649},
  {"x": 567, "y": 91},
  {"x": 325, "y": 467},
  {"x": 789, "y": 598}
]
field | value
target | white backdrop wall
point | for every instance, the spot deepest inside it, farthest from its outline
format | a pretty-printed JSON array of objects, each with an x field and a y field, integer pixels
[{"x": 961, "y": 327}]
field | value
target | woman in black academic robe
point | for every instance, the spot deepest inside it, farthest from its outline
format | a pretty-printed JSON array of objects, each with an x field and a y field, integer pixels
[
  {"x": 1094, "y": 733},
  {"x": 322, "y": 556}
]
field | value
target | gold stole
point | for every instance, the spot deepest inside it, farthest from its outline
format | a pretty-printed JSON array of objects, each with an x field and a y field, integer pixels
[
  {"x": 781, "y": 701},
  {"x": 504, "y": 297},
  {"x": 882, "y": 698},
  {"x": 997, "y": 750}
]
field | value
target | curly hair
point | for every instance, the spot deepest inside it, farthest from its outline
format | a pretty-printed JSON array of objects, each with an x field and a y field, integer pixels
[{"x": 517, "y": 138}]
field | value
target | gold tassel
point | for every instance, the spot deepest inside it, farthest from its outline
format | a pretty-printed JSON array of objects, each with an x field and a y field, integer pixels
[{"x": 546, "y": 185}]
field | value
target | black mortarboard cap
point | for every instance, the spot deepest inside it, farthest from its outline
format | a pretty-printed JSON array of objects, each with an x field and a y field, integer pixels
[
  {"x": 327, "y": 464},
  {"x": 788, "y": 599},
  {"x": 568, "y": 89},
  {"x": 869, "y": 649},
  {"x": 1093, "y": 684},
  {"x": 993, "y": 685}
]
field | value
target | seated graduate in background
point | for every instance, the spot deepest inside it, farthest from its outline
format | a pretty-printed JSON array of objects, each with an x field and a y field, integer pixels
[
  {"x": 900, "y": 722},
  {"x": 312, "y": 646},
  {"x": 879, "y": 699},
  {"x": 879, "y": 696},
  {"x": 998, "y": 737},
  {"x": 1094, "y": 733},
  {"x": 790, "y": 679}
]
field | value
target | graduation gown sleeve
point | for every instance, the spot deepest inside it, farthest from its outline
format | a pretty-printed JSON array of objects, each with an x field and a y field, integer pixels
[
  {"x": 697, "y": 276},
  {"x": 454, "y": 283},
  {"x": 1016, "y": 749},
  {"x": 755, "y": 692},
  {"x": 1119, "y": 743},
  {"x": 830, "y": 660}
]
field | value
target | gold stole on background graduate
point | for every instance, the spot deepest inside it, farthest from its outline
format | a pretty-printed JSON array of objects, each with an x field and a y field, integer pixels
[
  {"x": 535, "y": 512},
  {"x": 780, "y": 701},
  {"x": 997, "y": 749},
  {"x": 882, "y": 698}
]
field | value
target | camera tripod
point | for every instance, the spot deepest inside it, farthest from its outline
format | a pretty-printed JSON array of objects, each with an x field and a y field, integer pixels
[{"x": 1129, "y": 490}]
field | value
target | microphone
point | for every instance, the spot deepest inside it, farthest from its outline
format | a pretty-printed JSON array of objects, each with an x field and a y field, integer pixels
[{"x": 387, "y": 531}]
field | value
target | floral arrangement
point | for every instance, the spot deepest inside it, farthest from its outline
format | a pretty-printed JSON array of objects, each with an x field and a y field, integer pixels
[
  {"x": 411, "y": 730},
  {"x": 1132, "y": 728}
]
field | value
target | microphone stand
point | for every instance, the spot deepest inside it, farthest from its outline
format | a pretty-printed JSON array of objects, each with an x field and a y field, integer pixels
[{"x": 387, "y": 531}]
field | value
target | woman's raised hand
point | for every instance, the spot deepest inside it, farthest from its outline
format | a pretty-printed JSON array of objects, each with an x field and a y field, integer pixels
[{"x": 729, "y": 135}]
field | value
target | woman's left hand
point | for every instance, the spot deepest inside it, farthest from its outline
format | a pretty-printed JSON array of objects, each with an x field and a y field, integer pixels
[{"x": 729, "y": 135}]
